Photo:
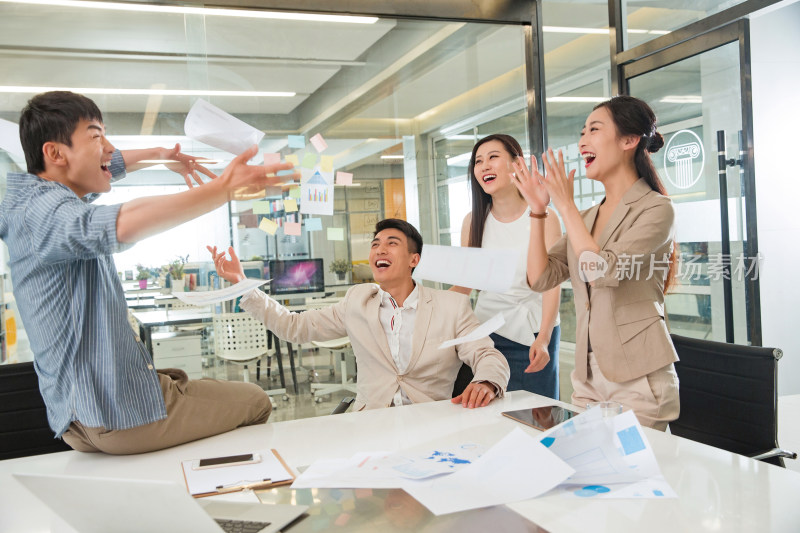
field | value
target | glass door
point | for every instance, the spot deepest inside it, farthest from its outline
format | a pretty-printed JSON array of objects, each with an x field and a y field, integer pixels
[{"x": 698, "y": 101}]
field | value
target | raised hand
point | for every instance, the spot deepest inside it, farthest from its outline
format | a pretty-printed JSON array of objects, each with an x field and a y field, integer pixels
[
  {"x": 530, "y": 185},
  {"x": 185, "y": 165},
  {"x": 241, "y": 179},
  {"x": 228, "y": 269},
  {"x": 559, "y": 184}
]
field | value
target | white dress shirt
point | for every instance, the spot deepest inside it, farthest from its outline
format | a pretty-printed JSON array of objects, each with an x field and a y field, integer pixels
[{"x": 398, "y": 323}]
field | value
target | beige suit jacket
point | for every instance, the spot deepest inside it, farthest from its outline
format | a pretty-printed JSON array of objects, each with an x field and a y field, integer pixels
[
  {"x": 623, "y": 312},
  {"x": 431, "y": 373}
]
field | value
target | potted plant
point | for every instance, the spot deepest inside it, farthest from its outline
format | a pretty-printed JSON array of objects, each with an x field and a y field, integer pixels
[
  {"x": 176, "y": 273},
  {"x": 340, "y": 267},
  {"x": 142, "y": 274}
]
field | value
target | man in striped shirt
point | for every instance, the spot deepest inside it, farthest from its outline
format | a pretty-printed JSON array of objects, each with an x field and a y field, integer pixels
[{"x": 97, "y": 379}]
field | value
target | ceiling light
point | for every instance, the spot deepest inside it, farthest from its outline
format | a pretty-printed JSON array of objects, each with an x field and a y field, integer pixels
[
  {"x": 145, "y": 92},
  {"x": 577, "y": 99},
  {"x": 682, "y": 99},
  {"x": 392, "y": 157},
  {"x": 186, "y": 10}
]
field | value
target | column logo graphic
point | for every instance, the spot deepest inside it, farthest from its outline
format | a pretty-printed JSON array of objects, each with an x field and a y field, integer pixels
[{"x": 684, "y": 149}]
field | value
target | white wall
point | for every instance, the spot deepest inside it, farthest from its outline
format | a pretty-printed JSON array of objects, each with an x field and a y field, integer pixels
[{"x": 775, "y": 49}]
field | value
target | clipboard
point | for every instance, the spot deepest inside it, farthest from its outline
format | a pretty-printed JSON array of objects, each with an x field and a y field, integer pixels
[{"x": 271, "y": 471}]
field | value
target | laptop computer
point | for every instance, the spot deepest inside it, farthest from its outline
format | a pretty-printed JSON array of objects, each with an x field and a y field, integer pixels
[{"x": 95, "y": 504}]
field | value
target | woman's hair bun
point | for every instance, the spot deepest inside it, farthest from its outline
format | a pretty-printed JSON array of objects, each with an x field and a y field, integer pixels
[{"x": 656, "y": 142}]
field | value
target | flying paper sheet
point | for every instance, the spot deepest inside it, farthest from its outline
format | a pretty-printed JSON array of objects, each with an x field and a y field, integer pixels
[
  {"x": 490, "y": 326},
  {"x": 316, "y": 195},
  {"x": 268, "y": 226},
  {"x": 319, "y": 143},
  {"x": 221, "y": 295},
  {"x": 344, "y": 178},
  {"x": 213, "y": 126},
  {"x": 9, "y": 140},
  {"x": 476, "y": 268}
]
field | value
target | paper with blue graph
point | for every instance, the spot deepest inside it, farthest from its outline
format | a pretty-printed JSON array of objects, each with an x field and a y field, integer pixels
[
  {"x": 611, "y": 457},
  {"x": 316, "y": 194}
]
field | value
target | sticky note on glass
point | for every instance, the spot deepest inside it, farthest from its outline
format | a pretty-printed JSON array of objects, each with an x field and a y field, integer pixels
[
  {"x": 292, "y": 158},
  {"x": 261, "y": 208},
  {"x": 292, "y": 228},
  {"x": 309, "y": 160},
  {"x": 294, "y": 192},
  {"x": 272, "y": 159},
  {"x": 326, "y": 163},
  {"x": 318, "y": 142},
  {"x": 313, "y": 224},
  {"x": 289, "y": 205},
  {"x": 297, "y": 141},
  {"x": 335, "y": 234},
  {"x": 268, "y": 226},
  {"x": 344, "y": 178}
]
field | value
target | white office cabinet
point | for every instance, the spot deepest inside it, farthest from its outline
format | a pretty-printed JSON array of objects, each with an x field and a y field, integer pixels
[{"x": 179, "y": 350}]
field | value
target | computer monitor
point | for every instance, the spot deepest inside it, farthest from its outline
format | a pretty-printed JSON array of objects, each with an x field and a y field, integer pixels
[{"x": 296, "y": 275}]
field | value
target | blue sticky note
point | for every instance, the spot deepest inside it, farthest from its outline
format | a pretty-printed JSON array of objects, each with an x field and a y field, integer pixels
[
  {"x": 313, "y": 224},
  {"x": 631, "y": 440},
  {"x": 297, "y": 141}
]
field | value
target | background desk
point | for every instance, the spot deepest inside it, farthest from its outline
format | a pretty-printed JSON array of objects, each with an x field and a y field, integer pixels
[
  {"x": 718, "y": 491},
  {"x": 149, "y": 319}
]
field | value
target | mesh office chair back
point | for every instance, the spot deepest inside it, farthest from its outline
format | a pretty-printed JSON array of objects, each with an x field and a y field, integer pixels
[
  {"x": 23, "y": 418},
  {"x": 728, "y": 396},
  {"x": 239, "y": 338}
]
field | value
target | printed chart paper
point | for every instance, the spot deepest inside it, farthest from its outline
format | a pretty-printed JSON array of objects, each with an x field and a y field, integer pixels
[
  {"x": 316, "y": 195},
  {"x": 213, "y": 126}
]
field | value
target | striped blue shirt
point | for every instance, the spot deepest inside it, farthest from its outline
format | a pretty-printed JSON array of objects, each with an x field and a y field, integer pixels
[{"x": 90, "y": 364}]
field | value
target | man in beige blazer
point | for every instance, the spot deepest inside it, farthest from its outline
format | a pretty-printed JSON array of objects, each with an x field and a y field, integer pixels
[{"x": 395, "y": 328}]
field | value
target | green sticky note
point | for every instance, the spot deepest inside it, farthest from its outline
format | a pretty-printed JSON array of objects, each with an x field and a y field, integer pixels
[
  {"x": 335, "y": 234},
  {"x": 261, "y": 208},
  {"x": 294, "y": 192},
  {"x": 309, "y": 160}
]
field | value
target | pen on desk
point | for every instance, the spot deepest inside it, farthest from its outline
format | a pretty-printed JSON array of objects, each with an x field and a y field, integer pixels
[{"x": 263, "y": 484}]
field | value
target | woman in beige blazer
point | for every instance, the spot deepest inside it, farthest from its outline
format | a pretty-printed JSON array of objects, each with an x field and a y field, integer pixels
[{"x": 620, "y": 257}]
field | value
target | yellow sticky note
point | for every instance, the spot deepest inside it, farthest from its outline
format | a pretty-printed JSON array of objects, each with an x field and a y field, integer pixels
[
  {"x": 335, "y": 234},
  {"x": 292, "y": 158},
  {"x": 289, "y": 205},
  {"x": 326, "y": 163},
  {"x": 268, "y": 226},
  {"x": 294, "y": 192}
]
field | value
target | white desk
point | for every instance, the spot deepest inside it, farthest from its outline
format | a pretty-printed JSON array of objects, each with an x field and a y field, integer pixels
[{"x": 718, "y": 491}]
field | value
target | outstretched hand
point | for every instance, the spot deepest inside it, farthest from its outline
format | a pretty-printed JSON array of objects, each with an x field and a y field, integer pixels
[
  {"x": 228, "y": 269},
  {"x": 186, "y": 165},
  {"x": 559, "y": 184},
  {"x": 241, "y": 179},
  {"x": 539, "y": 357},
  {"x": 530, "y": 184}
]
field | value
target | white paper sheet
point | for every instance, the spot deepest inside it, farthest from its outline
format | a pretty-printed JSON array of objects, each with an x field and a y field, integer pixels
[
  {"x": 213, "y": 126},
  {"x": 612, "y": 457},
  {"x": 357, "y": 472},
  {"x": 221, "y": 295},
  {"x": 316, "y": 194},
  {"x": 490, "y": 326},
  {"x": 9, "y": 140},
  {"x": 476, "y": 268},
  {"x": 516, "y": 468}
]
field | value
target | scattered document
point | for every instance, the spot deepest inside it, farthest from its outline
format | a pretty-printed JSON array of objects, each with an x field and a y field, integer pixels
[
  {"x": 488, "y": 327},
  {"x": 516, "y": 468},
  {"x": 220, "y": 295},
  {"x": 213, "y": 126},
  {"x": 611, "y": 457},
  {"x": 476, "y": 268}
]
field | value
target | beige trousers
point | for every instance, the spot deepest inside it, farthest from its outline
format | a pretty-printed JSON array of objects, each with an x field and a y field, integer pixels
[
  {"x": 195, "y": 409},
  {"x": 653, "y": 398}
]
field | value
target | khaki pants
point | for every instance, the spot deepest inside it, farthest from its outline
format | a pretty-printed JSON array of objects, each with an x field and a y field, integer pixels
[
  {"x": 195, "y": 409},
  {"x": 653, "y": 398}
]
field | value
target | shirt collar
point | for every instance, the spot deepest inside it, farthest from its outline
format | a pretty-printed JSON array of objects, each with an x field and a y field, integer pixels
[{"x": 411, "y": 301}]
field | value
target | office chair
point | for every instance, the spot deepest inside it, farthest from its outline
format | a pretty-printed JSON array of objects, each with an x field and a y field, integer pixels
[
  {"x": 463, "y": 379},
  {"x": 23, "y": 418},
  {"x": 240, "y": 339},
  {"x": 340, "y": 346},
  {"x": 343, "y": 406},
  {"x": 729, "y": 399}
]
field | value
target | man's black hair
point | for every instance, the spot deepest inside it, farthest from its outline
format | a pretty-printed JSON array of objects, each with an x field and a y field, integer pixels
[
  {"x": 52, "y": 116},
  {"x": 413, "y": 236}
]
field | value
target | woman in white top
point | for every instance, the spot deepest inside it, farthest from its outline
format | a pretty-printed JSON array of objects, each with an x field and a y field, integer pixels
[{"x": 500, "y": 218}]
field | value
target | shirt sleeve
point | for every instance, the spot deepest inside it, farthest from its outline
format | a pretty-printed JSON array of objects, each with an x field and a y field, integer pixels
[
  {"x": 557, "y": 269},
  {"x": 63, "y": 227}
]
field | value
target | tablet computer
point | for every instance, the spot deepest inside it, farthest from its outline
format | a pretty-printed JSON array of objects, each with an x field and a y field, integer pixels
[{"x": 541, "y": 417}]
